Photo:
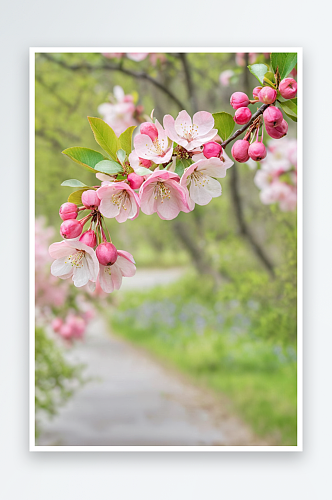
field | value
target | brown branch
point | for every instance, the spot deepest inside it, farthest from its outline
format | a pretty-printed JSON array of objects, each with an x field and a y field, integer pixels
[
  {"x": 244, "y": 228},
  {"x": 189, "y": 82},
  {"x": 108, "y": 67},
  {"x": 238, "y": 132}
]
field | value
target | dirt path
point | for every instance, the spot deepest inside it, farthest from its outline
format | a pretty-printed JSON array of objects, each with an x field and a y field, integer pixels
[{"x": 133, "y": 400}]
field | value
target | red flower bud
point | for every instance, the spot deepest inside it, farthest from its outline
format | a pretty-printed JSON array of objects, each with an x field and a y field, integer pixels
[
  {"x": 277, "y": 132},
  {"x": 267, "y": 95},
  {"x": 288, "y": 88},
  {"x": 273, "y": 116},
  {"x": 90, "y": 199},
  {"x": 106, "y": 254},
  {"x": 257, "y": 151},
  {"x": 240, "y": 151},
  {"x": 135, "y": 180},
  {"x": 242, "y": 116},
  {"x": 239, "y": 100},
  {"x": 149, "y": 129},
  {"x": 71, "y": 228},
  {"x": 89, "y": 238},
  {"x": 212, "y": 150},
  {"x": 256, "y": 91},
  {"x": 68, "y": 211}
]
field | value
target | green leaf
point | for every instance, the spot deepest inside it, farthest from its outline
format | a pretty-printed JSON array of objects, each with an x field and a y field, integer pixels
[
  {"x": 258, "y": 70},
  {"x": 109, "y": 167},
  {"x": 285, "y": 61},
  {"x": 126, "y": 139},
  {"x": 224, "y": 122},
  {"x": 105, "y": 136},
  {"x": 289, "y": 108},
  {"x": 142, "y": 171},
  {"x": 121, "y": 155},
  {"x": 73, "y": 183},
  {"x": 269, "y": 79},
  {"x": 181, "y": 165},
  {"x": 76, "y": 196},
  {"x": 86, "y": 157}
]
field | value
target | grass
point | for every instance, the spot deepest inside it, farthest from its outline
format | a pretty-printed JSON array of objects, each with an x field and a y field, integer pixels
[{"x": 216, "y": 342}]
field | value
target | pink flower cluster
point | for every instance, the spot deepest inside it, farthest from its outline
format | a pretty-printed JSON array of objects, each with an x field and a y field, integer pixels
[
  {"x": 277, "y": 177},
  {"x": 121, "y": 112},
  {"x": 53, "y": 295},
  {"x": 151, "y": 184},
  {"x": 275, "y": 124},
  {"x": 73, "y": 326}
]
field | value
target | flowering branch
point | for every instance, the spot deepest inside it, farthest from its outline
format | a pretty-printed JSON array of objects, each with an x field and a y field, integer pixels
[{"x": 238, "y": 132}]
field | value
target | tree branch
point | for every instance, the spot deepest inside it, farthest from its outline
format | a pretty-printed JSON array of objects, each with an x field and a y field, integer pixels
[
  {"x": 244, "y": 228},
  {"x": 108, "y": 67},
  {"x": 238, "y": 132},
  {"x": 189, "y": 82}
]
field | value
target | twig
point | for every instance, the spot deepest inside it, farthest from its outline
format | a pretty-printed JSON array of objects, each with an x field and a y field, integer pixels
[{"x": 238, "y": 132}]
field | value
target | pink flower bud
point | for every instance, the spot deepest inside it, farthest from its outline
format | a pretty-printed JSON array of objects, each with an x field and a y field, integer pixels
[
  {"x": 57, "y": 324},
  {"x": 273, "y": 116},
  {"x": 288, "y": 88},
  {"x": 145, "y": 163},
  {"x": 256, "y": 91},
  {"x": 65, "y": 331},
  {"x": 239, "y": 100},
  {"x": 89, "y": 238},
  {"x": 240, "y": 151},
  {"x": 70, "y": 228},
  {"x": 68, "y": 211},
  {"x": 212, "y": 150},
  {"x": 106, "y": 254},
  {"x": 149, "y": 129},
  {"x": 267, "y": 95},
  {"x": 135, "y": 180},
  {"x": 242, "y": 116},
  {"x": 277, "y": 132},
  {"x": 257, "y": 151},
  {"x": 90, "y": 199}
]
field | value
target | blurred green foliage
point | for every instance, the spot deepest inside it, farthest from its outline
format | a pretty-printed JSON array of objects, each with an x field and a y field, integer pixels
[
  {"x": 234, "y": 340},
  {"x": 55, "y": 378}
]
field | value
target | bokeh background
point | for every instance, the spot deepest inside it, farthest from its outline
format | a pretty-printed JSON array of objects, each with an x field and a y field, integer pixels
[{"x": 215, "y": 292}]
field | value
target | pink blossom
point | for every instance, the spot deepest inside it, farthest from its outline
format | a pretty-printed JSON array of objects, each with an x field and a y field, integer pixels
[
  {"x": 110, "y": 277},
  {"x": 118, "y": 200},
  {"x": 158, "y": 151},
  {"x": 137, "y": 56},
  {"x": 225, "y": 77},
  {"x": 137, "y": 162},
  {"x": 162, "y": 193},
  {"x": 190, "y": 133},
  {"x": 74, "y": 259},
  {"x": 277, "y": 177},
  {"x": 200, "y": 180},
  {"x": 119, "y": 114}
]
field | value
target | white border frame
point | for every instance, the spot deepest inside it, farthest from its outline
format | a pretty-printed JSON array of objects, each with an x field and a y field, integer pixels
[{"x": 32, "y": 445}]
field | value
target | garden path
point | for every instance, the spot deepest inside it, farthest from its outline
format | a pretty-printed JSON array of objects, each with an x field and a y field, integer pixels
[{"x": 134, "y": 400}]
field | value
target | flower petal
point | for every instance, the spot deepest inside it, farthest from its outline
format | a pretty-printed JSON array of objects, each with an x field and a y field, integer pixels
[
  {"x": 204, "y": 121},
  {"x": 202, "y": 194},
  {"x": 81, "y": 275},
  {"x": 61, "y": 267},
  {"x": 105, "y": 278}
]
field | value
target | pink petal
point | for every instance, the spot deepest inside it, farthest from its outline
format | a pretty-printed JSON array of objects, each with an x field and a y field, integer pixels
[{"x": 204, "y": 121}]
